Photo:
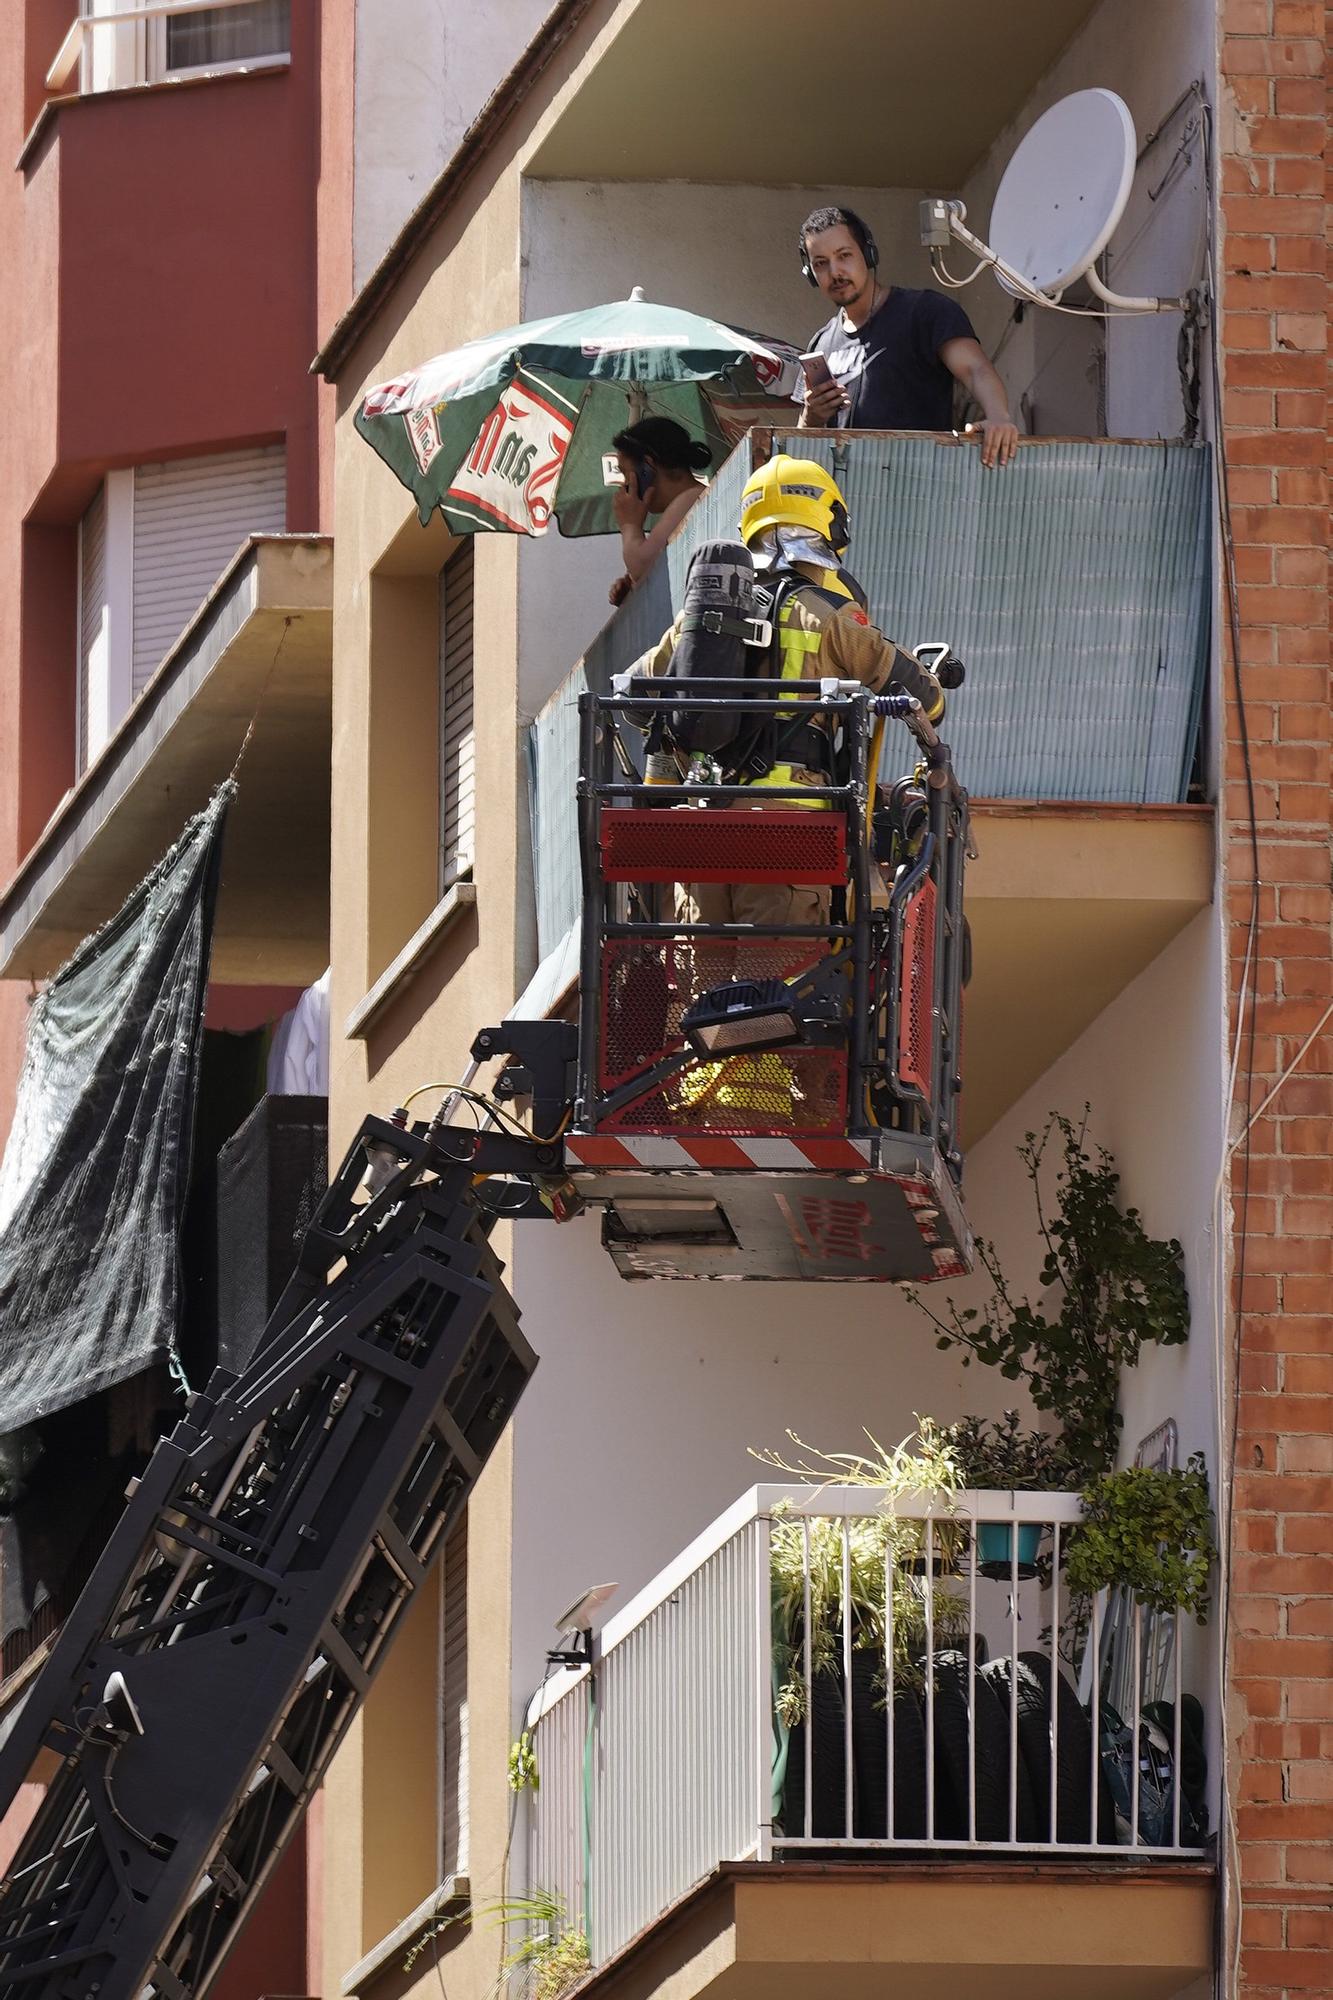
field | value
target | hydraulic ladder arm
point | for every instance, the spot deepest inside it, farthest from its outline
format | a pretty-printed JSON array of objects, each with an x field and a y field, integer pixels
[{"x": 241, "y": 1608}]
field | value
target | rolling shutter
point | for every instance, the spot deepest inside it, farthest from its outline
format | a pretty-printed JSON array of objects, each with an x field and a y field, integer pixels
[
  {"x": 457, "y": 773},
  {"x": 93, "y": 624},
  {"x": 191, "y": 515},
  {"x": 453, "y": 1708}
]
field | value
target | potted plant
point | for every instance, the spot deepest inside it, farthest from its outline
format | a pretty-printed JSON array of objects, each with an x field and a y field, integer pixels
[
  {"x": 550, "y": 1956},
  {"x": 1002, "y": 1457},
  {"x": 1150, "y": 1530},
  {"x": 880, "y": 1547}
]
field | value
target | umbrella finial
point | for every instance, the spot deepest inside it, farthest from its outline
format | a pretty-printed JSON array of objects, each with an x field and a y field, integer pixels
[{"x": 638, "y": 297}]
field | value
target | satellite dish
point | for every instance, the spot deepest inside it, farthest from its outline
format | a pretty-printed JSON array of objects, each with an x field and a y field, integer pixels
[
  {"x": 1064, "y": 191},
  {"x": 1057, "y": 206}
]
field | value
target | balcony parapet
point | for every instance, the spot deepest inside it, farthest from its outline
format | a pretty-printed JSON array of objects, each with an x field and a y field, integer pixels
[
  {"x": 725, "y": 1719},
  {"x": 1076, "y": 586}
]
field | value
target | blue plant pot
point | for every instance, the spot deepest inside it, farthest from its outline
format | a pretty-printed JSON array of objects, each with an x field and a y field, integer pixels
[{"x": 995, "y": 1542}]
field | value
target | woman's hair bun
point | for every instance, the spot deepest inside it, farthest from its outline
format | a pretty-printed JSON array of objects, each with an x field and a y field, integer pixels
[{"x": 665, "y": 440}]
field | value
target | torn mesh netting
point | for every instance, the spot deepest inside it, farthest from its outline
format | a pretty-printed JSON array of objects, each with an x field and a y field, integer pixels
[{"x": 94, "y": 1175}]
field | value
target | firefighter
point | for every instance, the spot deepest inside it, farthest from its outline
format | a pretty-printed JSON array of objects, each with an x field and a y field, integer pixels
[
  {"x": 794, "y": 520},
  {"x": 794, "y": 524}
]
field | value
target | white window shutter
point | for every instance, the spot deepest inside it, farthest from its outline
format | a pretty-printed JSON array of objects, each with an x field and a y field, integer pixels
[
  {"x": 94, "y": 627},
  {"x": 191, "y": 515},
  {"x": 457, "y": 761}
]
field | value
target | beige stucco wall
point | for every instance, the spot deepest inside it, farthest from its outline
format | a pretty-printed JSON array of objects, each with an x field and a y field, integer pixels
[
  {"x": 534, "y": 607},
  {"x": 380, "y": 1830},
  {"x": 380, "y": 1824}
]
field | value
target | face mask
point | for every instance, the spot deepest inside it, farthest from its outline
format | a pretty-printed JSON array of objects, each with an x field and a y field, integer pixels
[{"x": 789, "y": 545}]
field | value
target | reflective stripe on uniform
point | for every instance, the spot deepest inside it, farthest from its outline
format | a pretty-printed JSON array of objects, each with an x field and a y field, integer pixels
[{"x": 796, "y": 646}]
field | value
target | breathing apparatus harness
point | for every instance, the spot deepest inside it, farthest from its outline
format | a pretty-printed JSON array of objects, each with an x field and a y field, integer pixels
[{"x": 734, "y": 626}]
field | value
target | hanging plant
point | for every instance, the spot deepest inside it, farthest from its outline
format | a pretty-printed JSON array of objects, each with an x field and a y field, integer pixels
[
  {"x": 1114, "y": 1290},
  {"x": 1150, "y": 1530},
  {"x": 524, "y": 1775}
]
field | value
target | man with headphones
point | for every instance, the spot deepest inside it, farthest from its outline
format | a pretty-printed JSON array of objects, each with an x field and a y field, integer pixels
[{"x": 893, "y": 354}]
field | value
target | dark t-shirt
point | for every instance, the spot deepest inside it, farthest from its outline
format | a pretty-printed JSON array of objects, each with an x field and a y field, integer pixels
[{"x": 891, "y": 366}]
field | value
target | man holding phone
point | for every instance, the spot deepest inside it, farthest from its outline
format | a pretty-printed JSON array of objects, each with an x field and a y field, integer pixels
[{"x": 889, "y": 357}]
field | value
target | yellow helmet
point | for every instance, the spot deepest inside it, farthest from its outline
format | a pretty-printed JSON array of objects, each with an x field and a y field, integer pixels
[{"x": 794, "y": 493}]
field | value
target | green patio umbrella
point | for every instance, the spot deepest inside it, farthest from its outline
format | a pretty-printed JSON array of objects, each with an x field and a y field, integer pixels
[{"x": 514, "y": 429}]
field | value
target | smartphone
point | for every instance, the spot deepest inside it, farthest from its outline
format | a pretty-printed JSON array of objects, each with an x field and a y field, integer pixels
[
  {"x": 644, "y": 475},
  {"x": 816, "y": 370}
]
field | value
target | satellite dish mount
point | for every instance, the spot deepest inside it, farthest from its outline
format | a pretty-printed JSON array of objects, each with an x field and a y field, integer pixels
[{"x": 1059, "y": 203}]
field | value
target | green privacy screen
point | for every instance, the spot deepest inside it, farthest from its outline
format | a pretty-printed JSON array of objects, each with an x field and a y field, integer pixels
[{"x": 1075, "y": 584}]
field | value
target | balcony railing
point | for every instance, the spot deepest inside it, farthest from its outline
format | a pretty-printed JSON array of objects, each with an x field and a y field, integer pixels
[
  {"x": 734, "y": 1713},
  {"x": 1075, "y": 584}
]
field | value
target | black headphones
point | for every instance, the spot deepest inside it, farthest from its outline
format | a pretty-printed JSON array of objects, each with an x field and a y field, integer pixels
[{"x": 862, "y": 233}]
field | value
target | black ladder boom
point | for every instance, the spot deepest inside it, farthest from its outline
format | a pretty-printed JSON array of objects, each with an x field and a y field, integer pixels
[{"x": 247, "y": 1595}]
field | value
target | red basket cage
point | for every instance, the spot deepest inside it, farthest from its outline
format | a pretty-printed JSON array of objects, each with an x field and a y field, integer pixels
[{"x": 647, "y": 984}]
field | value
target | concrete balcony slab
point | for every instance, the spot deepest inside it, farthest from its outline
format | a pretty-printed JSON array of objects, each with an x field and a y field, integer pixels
[{"x": 259, "y": 649}]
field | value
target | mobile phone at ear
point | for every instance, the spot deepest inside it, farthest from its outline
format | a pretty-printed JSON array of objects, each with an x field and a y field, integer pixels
[
  {"x": 644, "y": 475},
  {"x": 816, "y": 370}
]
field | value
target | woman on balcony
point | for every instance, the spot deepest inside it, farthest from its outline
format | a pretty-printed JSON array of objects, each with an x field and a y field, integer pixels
[{"x": 660, "y": 464}]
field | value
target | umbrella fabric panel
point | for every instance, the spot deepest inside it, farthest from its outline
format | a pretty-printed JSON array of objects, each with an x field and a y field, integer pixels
[{"x": 509, "y": 432}]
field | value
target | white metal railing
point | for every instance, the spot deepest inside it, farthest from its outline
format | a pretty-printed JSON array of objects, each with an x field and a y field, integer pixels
[
  {"x": 733, "y": 1712},
  {"x": 78, "y": 35}
]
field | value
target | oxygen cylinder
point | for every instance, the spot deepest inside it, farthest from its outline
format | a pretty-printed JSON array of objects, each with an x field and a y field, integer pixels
[{"x": 716, "y": 621}]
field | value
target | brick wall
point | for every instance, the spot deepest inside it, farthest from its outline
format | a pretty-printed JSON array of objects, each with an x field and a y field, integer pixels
[{"x": 1279, "y": 417}]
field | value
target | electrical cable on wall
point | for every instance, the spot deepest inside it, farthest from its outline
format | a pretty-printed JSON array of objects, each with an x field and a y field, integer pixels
[{"x": 1228, "y": 1420}]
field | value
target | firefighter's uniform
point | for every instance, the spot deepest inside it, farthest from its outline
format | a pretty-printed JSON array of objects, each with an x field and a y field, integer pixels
[{"x": 823, "y": 633}]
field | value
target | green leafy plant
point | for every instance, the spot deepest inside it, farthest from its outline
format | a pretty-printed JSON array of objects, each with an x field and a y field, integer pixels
[
  {"x": 876, "y": 1547},
  {"x": 1150, "y": 1530},
  {"x": 1115, "y": 1289},
  {"x": 524, "y": 1775},
  {"x": 554, "y": 1954},
  {"x": 551, "y": 1955},
  {"x": 999, "y": 1455}
]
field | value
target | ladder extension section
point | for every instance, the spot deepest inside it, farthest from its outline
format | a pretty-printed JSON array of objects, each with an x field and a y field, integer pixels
[{"x": 249, "y": 1591}]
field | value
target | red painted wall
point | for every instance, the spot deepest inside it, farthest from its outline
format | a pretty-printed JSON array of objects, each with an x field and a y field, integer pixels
[
  {"x": 163, "y": 293},
  {"x": 163, "y": 297},
  {"x": 182, "y": 313}
]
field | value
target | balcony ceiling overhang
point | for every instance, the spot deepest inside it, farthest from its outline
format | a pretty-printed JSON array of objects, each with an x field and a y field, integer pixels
[
  {"x": 810, "y": 1931},
  {"x": 260, "y": 647},
  {"x": 879, "y": 93},
  {"x": 1067, "y": 904}
]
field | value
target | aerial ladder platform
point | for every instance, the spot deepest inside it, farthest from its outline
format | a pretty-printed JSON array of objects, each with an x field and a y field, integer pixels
[
  {"x": 779, "y": 1102},
  {"x": 735, "y": 1104}
]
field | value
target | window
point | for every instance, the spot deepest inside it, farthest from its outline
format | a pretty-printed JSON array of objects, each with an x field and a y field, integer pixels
[
  {"x": 190, "y": 42},
  {"x": 151, "y": 547},
  {"x": 220, "y": 37},
  {"x": 105, "y": 559},
  {"x": 453, "y": 1707},
  {"x": 93, "y": 623},
  {"x": 457, "y": 774}
]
